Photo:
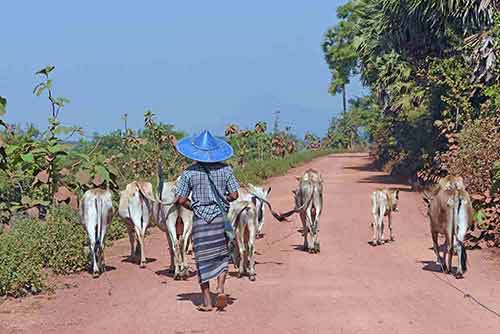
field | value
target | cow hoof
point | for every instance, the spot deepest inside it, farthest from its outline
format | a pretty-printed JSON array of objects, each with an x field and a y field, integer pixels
[
  {"x": 142, "y": 265},
  {"x": 459, "y": 276},
  {"x": 95, "y": 275},
  {"x": 392, "y": 239},
  {"x": 252, "y": 278}
]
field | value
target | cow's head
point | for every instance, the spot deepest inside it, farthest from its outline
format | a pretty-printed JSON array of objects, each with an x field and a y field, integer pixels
[
  {"x": 259, "y": 194},
  {"x": 394, "y": 194}
]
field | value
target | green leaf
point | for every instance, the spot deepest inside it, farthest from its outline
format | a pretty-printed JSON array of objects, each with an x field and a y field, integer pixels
[
  {"x": 3, "y": 105},
  {"x": 28, "y": 157},
  {"x": 102, "y": 172},
  {"x": 56, "y": 149},
  {"x": 10, "y": 149},
  {"x": 45, "y": 71}
]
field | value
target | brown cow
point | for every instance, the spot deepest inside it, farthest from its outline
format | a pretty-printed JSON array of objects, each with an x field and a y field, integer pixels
[{"x": 450, "y": 213}]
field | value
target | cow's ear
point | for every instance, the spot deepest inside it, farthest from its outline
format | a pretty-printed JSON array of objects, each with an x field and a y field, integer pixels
[
  {"x": 298, "y": 178},
  {"x": 426, "y": 200},
  {"x": 268, "y": 190}
]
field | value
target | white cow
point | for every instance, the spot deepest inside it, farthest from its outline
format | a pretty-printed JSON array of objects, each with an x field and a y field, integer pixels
[
  {"x": 309, "y": 204},
  {"x": 243, "y": 217},
  {"x": 96, "y": 212},
  {"x": 384, "y": 203},
  {"x": 257, "y": 195},
  {"x": 177, "y": 223},
  {"x": 136, "y": 209}
]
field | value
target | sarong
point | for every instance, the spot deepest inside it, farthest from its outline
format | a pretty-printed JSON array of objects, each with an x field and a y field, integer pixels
[{"x": 210, "y": 250}]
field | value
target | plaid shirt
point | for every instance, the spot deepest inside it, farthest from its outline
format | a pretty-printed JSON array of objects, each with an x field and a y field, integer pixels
[{"x": 194, "y": 179}]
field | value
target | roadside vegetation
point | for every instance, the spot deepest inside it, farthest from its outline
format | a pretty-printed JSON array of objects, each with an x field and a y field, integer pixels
[
  {"x": 43, "y": 173},
  {"x": 432, "y": 69}
]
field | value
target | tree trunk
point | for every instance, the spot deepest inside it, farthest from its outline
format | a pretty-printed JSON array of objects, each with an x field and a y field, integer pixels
[{"x": 344, "y": 103}]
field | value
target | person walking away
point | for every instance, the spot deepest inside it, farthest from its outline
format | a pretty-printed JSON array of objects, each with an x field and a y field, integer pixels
[{"x": 213, "y": 186}]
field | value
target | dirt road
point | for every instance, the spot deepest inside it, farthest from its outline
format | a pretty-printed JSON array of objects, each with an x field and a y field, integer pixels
[{"x": 350, "y": 287}]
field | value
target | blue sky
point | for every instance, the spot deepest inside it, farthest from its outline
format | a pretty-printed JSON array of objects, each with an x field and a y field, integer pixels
[{"x": 195, "y": 64}]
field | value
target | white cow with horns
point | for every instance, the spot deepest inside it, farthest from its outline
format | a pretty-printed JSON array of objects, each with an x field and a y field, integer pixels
[
  {"x": 177, "y": 223},
  {"x": 96, "y": 212},
  {"x": 136, "y": 208}
]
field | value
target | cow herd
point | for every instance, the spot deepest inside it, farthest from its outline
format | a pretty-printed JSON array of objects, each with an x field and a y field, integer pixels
[
  {"x": 450, "y": 213},
  {"x": 449, "y": 210}
]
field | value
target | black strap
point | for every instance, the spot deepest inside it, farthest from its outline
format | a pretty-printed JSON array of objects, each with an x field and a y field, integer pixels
[{"x": 219, "y": 199}]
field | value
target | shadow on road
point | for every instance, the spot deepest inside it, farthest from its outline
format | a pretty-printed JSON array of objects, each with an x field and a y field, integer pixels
[
  {"x": 197, "y": 299},
  {"x": 169, "y": 273},
  {"x": 136, "y": 261},
  {"x": 431, "y": 266}
]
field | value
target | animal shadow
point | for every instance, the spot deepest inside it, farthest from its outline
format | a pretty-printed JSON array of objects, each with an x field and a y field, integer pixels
[
  {"x": 197, "y": 299},
  {"x": 169, "y": 273},
  {"x": 431, "y": 266},
  {"x": 130, "y": 259}
]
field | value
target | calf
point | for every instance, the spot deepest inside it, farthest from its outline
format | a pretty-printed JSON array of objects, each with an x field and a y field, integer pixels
[
  {"x": 243, "y": 217},
  {"x": 450, "y": 214},
  {"x": 258, "y": 196},
  {"x": 177, "y": 223},
  {"x": 384, "y": 202},
  {"x": 309, "y": 204},
  {"x": 96, "y": 212},
  {"x": 136, "y": 209}
]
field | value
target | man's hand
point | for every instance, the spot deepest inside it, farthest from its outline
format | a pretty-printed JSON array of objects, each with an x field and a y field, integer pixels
[
  {"x": 185, "y": 202},
  {"x": 231, "y": 197}
]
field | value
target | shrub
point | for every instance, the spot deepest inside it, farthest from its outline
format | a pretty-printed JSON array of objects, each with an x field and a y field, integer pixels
[
  {"x": 21, "y": 259},
  {"x": 57, "y": 244},
  {"x": 65, "y": 242},
  {"x": 115, "y": 231}
]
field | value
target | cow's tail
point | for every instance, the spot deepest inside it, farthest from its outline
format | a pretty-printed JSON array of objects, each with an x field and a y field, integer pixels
[
  {"x": 98, "y": 227},
  {"x": 304, "y": 205},
  {"x": 460, "y": 242}
]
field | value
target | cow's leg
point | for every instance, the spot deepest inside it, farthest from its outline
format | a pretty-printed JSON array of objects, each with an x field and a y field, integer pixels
[
  {"x": 187, "y": 219},
  {"x": 131, "y": 237},
  {"x": 140, "y": 240},
  {"x": 252, "y": 234},
  {"x": 389, "y": 222},
  {"x": 240, "y": 236},
  {"x": 304, "y": 230},
  {"x": 172, "y": 241},
  {"x": 375, "y": 228},
  {"x": 175, "y": 246},
  {"x": 102, "y": 264},
  {"x": 435, "y": 246},
  {"x": 380, "y": 227},
  {"x": 448, "y": 254}
]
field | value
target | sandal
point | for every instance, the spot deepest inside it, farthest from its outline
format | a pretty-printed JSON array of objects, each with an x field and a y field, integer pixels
[
  {"x": 203, "y": 308},
  {"x": 221, "y": 301}
]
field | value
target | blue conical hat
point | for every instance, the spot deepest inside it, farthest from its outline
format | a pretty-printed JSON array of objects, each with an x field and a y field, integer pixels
[{"x": 205, "y": 148}]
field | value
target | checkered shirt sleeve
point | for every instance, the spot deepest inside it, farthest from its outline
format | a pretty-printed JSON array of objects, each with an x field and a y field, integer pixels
[
  {"x": 231, "y": 182},
  {"x": 183, "y": 187}
]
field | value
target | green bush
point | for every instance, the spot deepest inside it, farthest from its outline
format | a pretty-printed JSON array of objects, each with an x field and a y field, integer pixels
[
  {"x": 256, "y": 171},
  {"x": 57, "y": 244},
  {"x": 21, "y": 259},
  {"x": 115, "y": 231},
  {"x": 65, "y": 242}
]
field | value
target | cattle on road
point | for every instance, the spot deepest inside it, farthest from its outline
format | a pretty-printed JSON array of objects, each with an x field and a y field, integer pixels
[
  {"x": 243, "y": 217},
  {"x": 136, "y": 209},
  {"x": 384, "y": 203},
  {"x": 96, "y": 212},
  {"x": 450, "y": 214},
  {"x": 177, "y": 223}
]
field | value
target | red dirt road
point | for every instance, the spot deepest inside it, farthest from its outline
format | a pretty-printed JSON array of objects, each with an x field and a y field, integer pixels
[{"x": 350, "y": 287}]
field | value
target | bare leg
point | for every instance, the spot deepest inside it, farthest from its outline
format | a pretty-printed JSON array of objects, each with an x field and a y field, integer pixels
[
  {"x": 221, "y": 296},
  {"x": 205, "y": 292}
]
